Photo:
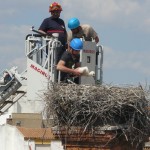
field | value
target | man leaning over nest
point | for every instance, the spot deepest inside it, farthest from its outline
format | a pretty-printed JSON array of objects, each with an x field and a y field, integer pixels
[{"x": 69, "y": 59}]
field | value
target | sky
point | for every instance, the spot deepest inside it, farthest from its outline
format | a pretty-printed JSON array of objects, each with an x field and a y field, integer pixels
[{"x": 123, "y": 27}]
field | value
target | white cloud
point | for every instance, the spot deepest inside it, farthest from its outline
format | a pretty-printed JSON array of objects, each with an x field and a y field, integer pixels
[
  {"x": 21, "y": 63},
  {"x": 115, "y": 12},
  {"x": 12, "y": 44},
  {"x": 127, "y": 13},
  {"x": 13, "y": 32},
  {"x": 7, "y": 12},
  {"x": 103, "y": 15},
  {"x": 127, "y": 60}
]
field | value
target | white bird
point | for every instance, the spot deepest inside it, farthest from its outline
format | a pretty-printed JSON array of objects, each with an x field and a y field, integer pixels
[{"x": 85, "y": 71}]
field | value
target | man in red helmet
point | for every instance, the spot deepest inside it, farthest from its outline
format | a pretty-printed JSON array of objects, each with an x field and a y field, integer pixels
[{"x": 54, "y": 24}]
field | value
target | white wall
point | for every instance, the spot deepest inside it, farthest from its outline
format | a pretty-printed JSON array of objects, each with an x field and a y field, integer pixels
[
  {"x": 4, "y": 117},
  {"x": 29, "y": 143},
  {"x": 56, "y": 145},
  {"x": 43, "y": 147},
  {"x": 12, "y": 139}
]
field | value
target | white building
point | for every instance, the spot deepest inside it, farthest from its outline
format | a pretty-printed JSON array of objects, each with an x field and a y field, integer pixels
[{"x": 20, "y": 138}]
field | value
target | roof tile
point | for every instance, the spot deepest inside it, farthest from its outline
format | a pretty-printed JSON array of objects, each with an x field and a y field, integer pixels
[{"x": 37, "y": 133}]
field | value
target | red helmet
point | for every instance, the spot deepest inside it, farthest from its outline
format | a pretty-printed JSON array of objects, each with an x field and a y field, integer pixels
[{"x": 55, "y": 6}]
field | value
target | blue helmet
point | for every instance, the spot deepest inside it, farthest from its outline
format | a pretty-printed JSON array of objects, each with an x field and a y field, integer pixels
[
  {"x": 73, "y": 23},
  {"x": 76, "y": 44}
]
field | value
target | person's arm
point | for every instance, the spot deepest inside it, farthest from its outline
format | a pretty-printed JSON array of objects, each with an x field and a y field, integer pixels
[
  {"x": 77, "y": 65},
  {"x": 96, "y": 39},
  {"x": 42, "y": 32},
  {"x": 43, "y": 27},
  {"x": 61, "y": 67},
  {"x": 69, "y": 37},
  {"x": 93, "y": 34},
  {"x": 65, "y": 32}
]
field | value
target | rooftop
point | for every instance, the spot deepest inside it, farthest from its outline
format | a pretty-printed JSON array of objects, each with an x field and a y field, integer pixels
[{"x": 36, "y": 133}]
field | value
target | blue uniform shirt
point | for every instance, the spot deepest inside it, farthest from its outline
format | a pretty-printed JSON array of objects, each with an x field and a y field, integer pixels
[{"x": 55, "y": 25}]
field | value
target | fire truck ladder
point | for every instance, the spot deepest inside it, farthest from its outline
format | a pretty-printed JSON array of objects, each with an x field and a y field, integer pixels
[
  {"x": 9, "y": 89},
  {"x": 43, "y": 51}
]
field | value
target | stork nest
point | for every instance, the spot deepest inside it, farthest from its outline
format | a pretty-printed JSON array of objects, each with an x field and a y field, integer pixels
[{"x": 89, "y": 107}]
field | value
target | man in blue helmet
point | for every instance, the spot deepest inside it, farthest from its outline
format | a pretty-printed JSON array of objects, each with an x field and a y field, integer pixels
[
  {"x": 69, "y": 59},
  {"x": 81, "y": 31}
]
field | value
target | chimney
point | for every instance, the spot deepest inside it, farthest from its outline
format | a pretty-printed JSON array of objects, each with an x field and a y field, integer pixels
[
  {"x": 9, "y": 120},
  {"x": 18, "y": 123}
]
